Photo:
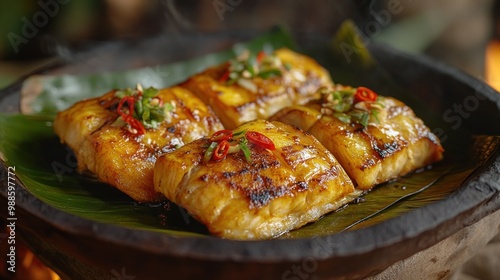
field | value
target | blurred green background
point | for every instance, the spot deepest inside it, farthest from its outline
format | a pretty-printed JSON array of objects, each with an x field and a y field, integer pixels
[{"x": 32, "y": 31}]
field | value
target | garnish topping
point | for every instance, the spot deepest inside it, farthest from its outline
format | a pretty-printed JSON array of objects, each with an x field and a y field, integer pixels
[
  {"x": 260, "y": 139},
  {"x": 365, "y": 94},
  {"x": 141, "y": 109},
  {"x": 351, "y": 104},
  {"x": 247, "y": 66},
  {"x": 221, "y": 150},
  {"x": 224, "y": 142},
  {"x": 220, "y": 135}
]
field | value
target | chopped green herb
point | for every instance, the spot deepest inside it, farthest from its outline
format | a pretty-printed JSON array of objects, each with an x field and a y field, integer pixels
[
  {"x": 148, "y": 108},
  {"x": 269, "y": 73},
  {"x": 209, "y": 152},
  {"x": 238, "y": 141},
  {"x": 345, "y": 118},
  {"x": 239, "y": 133},
  {"x": 246, "y": 151},
  {"x": 248, "y": 66},
  {"x": 340, "y": 103}
]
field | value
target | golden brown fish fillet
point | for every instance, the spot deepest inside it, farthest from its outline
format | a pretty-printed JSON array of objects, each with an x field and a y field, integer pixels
[
  {"x": 247, "y": 99},
  {"x": 105, "y": 147},
  {"x": 279, "y": 190},
  {"x": 394, "y": 142}
]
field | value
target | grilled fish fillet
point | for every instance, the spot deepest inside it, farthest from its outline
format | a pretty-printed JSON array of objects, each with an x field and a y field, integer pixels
[
  {"x": 125, "y": 160},
  {"x": 259, "y": 98},
  {"x": 392, "y": 146},
  {"x": 279, "y": 190}
]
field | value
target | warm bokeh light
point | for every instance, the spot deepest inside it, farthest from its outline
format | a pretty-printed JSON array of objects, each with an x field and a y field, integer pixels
[
  {"x": 33, "y": 268},
  {"x": 492, "y": 71},
  {"x": 29, "y": 266}
]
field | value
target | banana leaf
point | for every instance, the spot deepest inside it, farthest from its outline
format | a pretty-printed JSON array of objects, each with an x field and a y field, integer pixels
[{"x": 48, "y": 169}]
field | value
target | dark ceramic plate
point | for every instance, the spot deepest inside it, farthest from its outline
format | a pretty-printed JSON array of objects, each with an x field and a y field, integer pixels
[{"x": 79, "y": 248}]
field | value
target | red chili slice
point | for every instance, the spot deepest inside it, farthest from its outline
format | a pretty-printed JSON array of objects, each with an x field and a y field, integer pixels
[
  {"x": 225, "y": 76},
  {"x": 130, "y": 102},
  {"x": 136, "y": 124},
  {"x": 119, "y": 108},
  {"x": 221, "y": 150},
  {"x": 221, "y": 135},
  {"x": 260, "y": 56},
  {"x": 260, "y": 140},
  {"x": 365, "y": 94},
  {"x": 129, "y": 116}
]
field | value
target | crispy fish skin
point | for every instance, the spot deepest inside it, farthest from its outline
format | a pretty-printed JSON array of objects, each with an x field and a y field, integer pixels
[
  {"x": 236, "y": 105},
  {"x": 75, "y": 124},
  {"x": 125, "y": 160},
  {"x": 301, "y": 116},
  {"x": 393, "y": 147},
  {"x": 278, "y": 191}
]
